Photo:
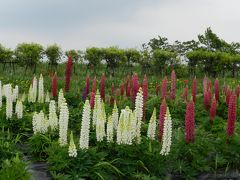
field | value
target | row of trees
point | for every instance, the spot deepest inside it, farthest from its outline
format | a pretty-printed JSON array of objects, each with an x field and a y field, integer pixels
[
  {"x": 30, "y": 54},
  {"x": 209, "y": 54}
]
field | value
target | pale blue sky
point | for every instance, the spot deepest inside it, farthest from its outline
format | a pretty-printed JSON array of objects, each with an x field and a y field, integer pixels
[{"x": 125, "y": 23}]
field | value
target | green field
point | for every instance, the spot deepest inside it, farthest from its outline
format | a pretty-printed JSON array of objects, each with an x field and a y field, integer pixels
[{"x": 213, "y": 154}]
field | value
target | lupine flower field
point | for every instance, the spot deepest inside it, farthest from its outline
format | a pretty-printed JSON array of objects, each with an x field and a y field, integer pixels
[{"x": 133, "y": 127}]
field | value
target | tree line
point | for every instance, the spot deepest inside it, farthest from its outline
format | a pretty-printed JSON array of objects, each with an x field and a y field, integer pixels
[{"x": 208, "y": 54}]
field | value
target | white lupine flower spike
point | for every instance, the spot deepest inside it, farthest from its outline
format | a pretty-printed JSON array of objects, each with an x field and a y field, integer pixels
[
  {"x": 34, "y": 89},
  {"x": 85, "y": 126},
  {"x": 53, "y": 119},
  {"x": 19, "y": 109},
  {"x": 9, "y": 102},
  {"x": 115, "y": 116},
  {"x": 63, "y": 124},
  {"x": 30, "y": 94},
  {"x": 61, "y": 98},
  {"x": 167, "y": 134},
  {"x": 41, "y": 90},
  {"x": 139, "y": 114},
  {"x": 100, "y": 122},
  {"x": 47, "y": 98},
  {"x": 110, "y": 129},
  {"x": 125, "y": 132},
  {"x": 120, "y": 128},
  {"x": 133, "y": 124},
  {"x": 45, "y": 125},
  {"x": 40, "y": 123},
  {"x": 151, "y": 133},
  {"x": 72, "y": 150},
  {"x": 97, "y": 105},
  {"x": 35, "y": 123}
]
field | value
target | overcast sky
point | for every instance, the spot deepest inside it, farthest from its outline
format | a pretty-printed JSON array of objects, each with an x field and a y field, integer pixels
[{"x": 79, "y": 24}]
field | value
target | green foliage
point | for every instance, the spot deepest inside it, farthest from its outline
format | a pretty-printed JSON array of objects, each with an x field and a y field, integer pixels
[
  {"x": 132, "y": 56},
  {"x": 159, "y": 43},
  {"x": 53, "y": 53},
  {"x": 211, "y": 41},
  {"x": 145, "y": 60},
  {"x": 88, "y": 164},
  {"x": 5, "y": 54},
  {"x": 162, "y": 59},
  {"x": 14, "y": 169},
  {"x": 94, "y": 56},
  {"x": 29, "y": 54},
  {"x": 7, "y": 145},
  {"x": 113, "y": 56},
  {"x": 16, "y": 125},
  {"x": 212, "y": 62},
  {"x": 38, "y": 144}
]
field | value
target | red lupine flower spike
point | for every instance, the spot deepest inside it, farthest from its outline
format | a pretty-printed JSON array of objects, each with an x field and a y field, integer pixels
[
  {"x": 94, "y": 85},
  {"x": 121, "y": 89},
  {"x": 210, "y": 95},
  {"x": 68, "y": 73},
  {"x": 164, "y": 88},
  {"x": 232, "y": 110},
  {"x": 128, "y": 87},
  {"x": 209, "y": 85},
  {"x": 54, "y": 85},
  {"x": 92, "y": 99},
  {"x": 163, "y": 109},
  {"x": 189, "y": 123}
]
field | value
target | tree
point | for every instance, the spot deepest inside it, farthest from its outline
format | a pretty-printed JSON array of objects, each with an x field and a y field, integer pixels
[
  {"x": 162, "y": 58},
  {"x": 159, "y": 43},
  {"x": 234, "y": 49},
  {"x": 29, "y": 54},
  {"x": 94, "y": 56},
  {"x": 212, "y": 42},
  {"x": 6, "y": 56},
  {"x": 54, "y": 54},
  {"x": 132, "y": 56},
  {"x": 145, "y": 59},
  {"x": 113, "y": 56}
]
